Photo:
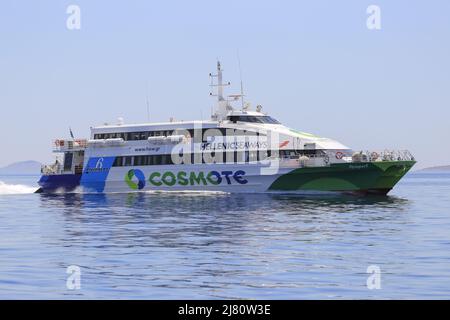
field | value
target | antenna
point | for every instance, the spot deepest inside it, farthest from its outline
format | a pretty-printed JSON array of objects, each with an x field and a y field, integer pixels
[{"x": 240, "y": 76}]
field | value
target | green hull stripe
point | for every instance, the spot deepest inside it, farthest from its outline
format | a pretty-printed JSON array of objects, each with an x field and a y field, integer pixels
[{"x": 345, "y": 177}]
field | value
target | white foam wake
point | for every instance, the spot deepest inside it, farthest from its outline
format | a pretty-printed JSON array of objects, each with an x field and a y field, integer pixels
[{"x": 15, "y": 188}]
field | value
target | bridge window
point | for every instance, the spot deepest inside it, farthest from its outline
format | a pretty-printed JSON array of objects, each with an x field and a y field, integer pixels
[{"x": 253, "y": 119}]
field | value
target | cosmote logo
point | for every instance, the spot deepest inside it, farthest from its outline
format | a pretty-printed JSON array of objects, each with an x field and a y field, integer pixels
[
  {"x": 183, "y": 178},
  {"x": 133, "y": 175}
]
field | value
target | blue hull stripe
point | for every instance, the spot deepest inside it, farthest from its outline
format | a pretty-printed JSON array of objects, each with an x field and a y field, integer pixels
[{"x": 95, "y": 173}]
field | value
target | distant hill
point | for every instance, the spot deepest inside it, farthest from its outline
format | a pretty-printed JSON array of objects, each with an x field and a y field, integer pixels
[
  {"x": 23, "y": 167},
  {"x": 438, "y": 168}
]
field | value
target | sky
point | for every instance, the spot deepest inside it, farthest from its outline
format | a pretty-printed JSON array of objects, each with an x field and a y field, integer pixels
[{"x": 313, "y": 65}]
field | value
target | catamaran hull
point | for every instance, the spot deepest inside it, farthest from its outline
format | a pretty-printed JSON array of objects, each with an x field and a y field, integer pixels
[
  {"x": 59, "y": 183},
  {"x": 350, "y": 178}
]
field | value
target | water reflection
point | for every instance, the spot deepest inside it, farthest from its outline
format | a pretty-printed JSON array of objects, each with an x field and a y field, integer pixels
[
  {"x": 197, "y": 245},
  {"x": 191, "y": 220}
]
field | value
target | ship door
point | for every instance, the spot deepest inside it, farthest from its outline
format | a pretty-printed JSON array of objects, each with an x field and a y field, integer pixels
[
  {"x": 78, "y": 162},
  {"x": 73, "y": 162}
]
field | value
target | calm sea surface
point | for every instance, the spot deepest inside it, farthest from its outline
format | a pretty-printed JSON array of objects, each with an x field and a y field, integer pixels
[{"x": 214, "y": 246}]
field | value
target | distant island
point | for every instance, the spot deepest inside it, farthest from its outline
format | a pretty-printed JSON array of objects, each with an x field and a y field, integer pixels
[
  {"x": 435, "y": 169},
  {"x": 23, "y": 167}
]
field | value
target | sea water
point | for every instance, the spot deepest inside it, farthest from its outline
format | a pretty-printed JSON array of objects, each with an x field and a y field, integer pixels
[{"x": 216, "y": 246}]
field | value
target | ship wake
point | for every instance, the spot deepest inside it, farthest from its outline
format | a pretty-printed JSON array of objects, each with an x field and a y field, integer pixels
[{"x": 6, "y": 188}]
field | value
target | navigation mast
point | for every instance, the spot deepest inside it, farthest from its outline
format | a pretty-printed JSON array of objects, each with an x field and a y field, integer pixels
[{"x": 222, "y": 106}]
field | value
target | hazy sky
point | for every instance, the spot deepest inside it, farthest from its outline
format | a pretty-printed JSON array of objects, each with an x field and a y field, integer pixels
[{"x": 314, "y": 65}]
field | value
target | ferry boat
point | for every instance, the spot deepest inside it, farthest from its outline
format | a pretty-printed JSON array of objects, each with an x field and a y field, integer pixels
[{"x": 237, "y": 150}]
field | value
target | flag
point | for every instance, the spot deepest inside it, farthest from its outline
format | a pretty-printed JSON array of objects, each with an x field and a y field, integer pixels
[{"x": 71, "y": 133}]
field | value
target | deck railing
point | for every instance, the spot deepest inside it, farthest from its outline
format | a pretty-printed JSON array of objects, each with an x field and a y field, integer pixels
[
  {"x": 321, "y": 160},
  {"x": 49, "y": 169},
  {"x": 385, "y": 155},
  {"x": 57, "y": 168},
  {"x": 61, "y": 145}
]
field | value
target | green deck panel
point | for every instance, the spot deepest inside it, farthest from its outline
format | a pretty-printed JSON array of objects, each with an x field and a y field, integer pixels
[
  {"x": 393, "y": 173},
  {"x": 344, "y": 176}
]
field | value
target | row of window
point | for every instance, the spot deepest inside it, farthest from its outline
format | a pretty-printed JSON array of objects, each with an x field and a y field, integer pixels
[
  {"x": 132, "y": 135},
  {"x": 199, "y": 134},
  {"x": 202, "y": 158},
  {"x": 191, "y": 158}
]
